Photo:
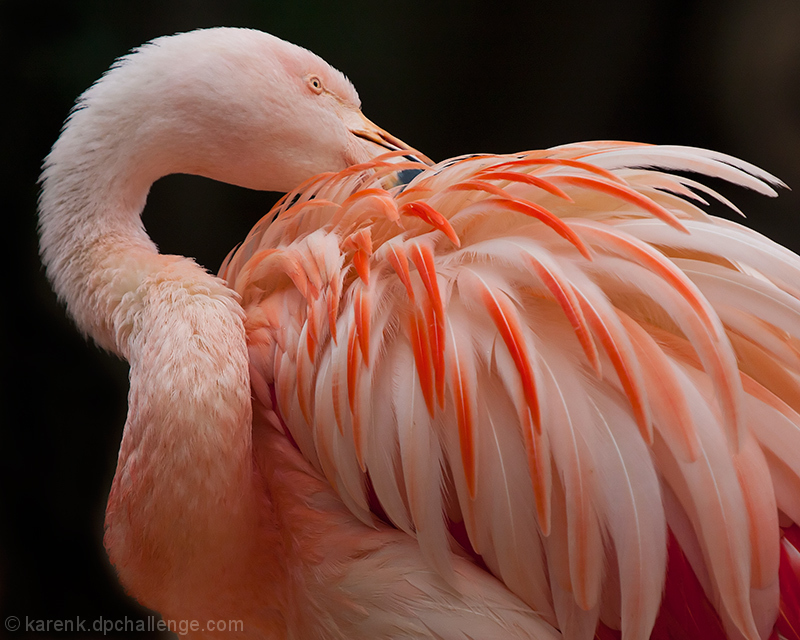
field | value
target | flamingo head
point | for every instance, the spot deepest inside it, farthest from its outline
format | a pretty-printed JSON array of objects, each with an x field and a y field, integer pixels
[{"x": 234, "y": 105}]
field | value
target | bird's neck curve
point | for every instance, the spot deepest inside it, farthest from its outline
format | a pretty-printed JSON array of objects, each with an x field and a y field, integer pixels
[
  {"x": 94, "y": 187},
  {"x": 182, "y": 502}
]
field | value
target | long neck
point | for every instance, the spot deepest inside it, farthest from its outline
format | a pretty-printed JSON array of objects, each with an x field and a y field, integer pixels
[
  {"x": 94, "y": 187},
  {"x": 182, "y": 497}
]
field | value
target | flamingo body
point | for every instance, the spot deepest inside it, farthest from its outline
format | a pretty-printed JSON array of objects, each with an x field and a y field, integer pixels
[{"x": 522, "y": 396}]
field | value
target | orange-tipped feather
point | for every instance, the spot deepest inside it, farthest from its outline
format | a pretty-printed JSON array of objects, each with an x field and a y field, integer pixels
[
  {"x": 422, "y": 257},
  {"x": 525, "y": 178},
  {"x": 564, "y": 294},
  {"x": 361, "y": 313},
  {"x": 563, "y": 162},
  {"x": 420, "y": 344},
  {"x": 479, "y": 185},
  {"x": 664, "y": 391},
  {"x": 426, "y": 212},
  {"x": 505, "y": 318},
  {"x": 625, "y": 193},
  {"x": 637, "y": 251},
  {"x": 397, "y": 258},
  {"x": 361, "y": 264},
  {"x": 463, "y": 398},
  {"x": 616, "y": 346},
  {"x": 540, "y": 213}
]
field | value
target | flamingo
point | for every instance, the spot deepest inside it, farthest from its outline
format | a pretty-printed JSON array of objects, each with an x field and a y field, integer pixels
[{"x": 537, "y": 395}]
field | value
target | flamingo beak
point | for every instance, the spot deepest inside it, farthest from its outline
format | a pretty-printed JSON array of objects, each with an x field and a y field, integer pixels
[{"x": 371, "y": 132}]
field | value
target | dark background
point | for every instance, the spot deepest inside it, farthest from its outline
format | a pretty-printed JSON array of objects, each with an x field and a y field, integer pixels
[{"x": 448, "y": 78}]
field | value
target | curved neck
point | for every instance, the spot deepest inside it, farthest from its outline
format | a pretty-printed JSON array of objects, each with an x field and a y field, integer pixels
[
  {"x": 183, "y": 508},
  {"x": 94, "y": 187},
  {"x": 183, "y": 490}
]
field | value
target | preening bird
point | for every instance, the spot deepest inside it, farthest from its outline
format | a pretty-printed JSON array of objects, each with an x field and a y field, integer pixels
[{"x": 537, "y": 395}]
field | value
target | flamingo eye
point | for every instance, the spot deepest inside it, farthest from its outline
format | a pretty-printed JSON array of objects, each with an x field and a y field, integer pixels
[{"x": 315, "y": 84}]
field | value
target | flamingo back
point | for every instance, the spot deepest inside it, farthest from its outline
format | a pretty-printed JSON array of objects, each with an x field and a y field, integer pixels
[{"x": 557, "y": 360}]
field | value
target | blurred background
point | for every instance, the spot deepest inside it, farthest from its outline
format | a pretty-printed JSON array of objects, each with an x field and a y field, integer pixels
[{"x": 447, "y": 77}]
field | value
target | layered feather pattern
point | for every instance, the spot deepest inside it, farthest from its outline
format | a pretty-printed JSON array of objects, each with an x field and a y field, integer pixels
[{"x": 560, "y": 349}]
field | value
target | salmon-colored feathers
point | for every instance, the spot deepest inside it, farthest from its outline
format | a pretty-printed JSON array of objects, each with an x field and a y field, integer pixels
[{"x": 571, "y": 283}]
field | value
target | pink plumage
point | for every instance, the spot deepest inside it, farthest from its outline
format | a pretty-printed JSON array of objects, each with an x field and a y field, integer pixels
[{"x": 524, "y": 396}]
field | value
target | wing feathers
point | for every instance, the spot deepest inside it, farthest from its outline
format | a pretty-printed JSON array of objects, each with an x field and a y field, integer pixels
[
  {"x": 571, "y": 457},
  {"x": 560, "y": 348},
  {"x": 629, "y": 498},
  {"x": 421, "y": 457},
  {"x": 710, "y": 493}
]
